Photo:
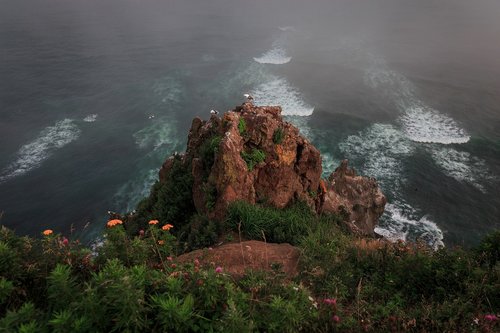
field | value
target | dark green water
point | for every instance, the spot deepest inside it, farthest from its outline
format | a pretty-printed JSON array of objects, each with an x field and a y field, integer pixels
[{"x": 94, "y": 95}]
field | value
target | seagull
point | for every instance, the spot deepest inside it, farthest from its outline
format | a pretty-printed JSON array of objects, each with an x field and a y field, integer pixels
[
  {"x": 248, "y": 97},
  {"x": 214, "y": 112}
]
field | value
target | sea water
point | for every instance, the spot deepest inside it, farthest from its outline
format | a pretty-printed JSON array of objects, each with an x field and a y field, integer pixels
[{"x": 95, "y": 95}]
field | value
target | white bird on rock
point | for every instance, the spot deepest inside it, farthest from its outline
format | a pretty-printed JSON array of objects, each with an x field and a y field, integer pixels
[
  {"x": 214, "y": 112},
  {"x": 248, "y": 97}
]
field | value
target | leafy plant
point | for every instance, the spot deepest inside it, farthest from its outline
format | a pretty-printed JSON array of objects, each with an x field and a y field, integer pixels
[
  {"x": 242, "y": 126},
  {"x": 253, "y": 158},
  {"x": 278, "y": 135}
]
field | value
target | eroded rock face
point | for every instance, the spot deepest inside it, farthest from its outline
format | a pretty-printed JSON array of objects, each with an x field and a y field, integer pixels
[
  {"x": 357, "y": 198},
  {"x": 251, "y": 154}
]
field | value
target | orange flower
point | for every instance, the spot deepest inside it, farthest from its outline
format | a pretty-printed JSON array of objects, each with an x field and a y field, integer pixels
[
  {"x": 47, "y": 232},
  {"x": 167, "y": 227},
  {"x": 153, "y": 222},
  {"x": 114, "y": 222},
  {"x": 161, "y": 242}
]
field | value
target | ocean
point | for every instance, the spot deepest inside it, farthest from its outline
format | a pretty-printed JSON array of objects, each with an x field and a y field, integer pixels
[{"x": 95, "y": 95}]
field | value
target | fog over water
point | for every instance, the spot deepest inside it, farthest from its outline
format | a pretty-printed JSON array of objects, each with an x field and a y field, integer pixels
[{"x": 95, "y": 94}]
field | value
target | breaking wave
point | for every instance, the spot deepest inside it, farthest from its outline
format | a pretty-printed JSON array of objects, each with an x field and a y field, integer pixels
[
  {"x": 161, "y": 134},
  {"x": 401, "y": 221},
  {"x": 90, "y": 118},
  {"x": 379, "y": 151},
  {"x": 275, "y": 56},
  {"x": 129, "y": 194},
  {"x": 278, "y": 91},
  {"x": 286, "y": 28},
  {"x": 33, "y": 154},
  {"x": 462, "y": 166},
  {"x": 420, "y": 122}
]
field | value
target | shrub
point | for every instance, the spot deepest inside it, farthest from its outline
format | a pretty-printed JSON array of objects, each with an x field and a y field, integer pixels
[
  {"x": 242, "y": 126},
  {"x": 278, "y": 136},
  {"x": 170, "y": 201},
  {"x": 253, "y": 158}
]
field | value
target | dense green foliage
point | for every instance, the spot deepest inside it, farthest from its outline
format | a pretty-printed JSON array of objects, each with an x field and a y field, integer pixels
[
  {"x": 254, "y": 157},
  {"x": 242, "y": 126},
  {"x": 135, "y": 284},
  {"x": 278, "y": 135},
  {"x": 170, "y": 201}
]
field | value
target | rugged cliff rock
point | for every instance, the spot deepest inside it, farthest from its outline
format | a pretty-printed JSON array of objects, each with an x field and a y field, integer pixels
[{"x": 251, "y": 154}]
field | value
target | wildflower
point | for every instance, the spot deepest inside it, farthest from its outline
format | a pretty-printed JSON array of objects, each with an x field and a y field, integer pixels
[
  {"x": 65, "y": 241},
  {"x": 490, "y": 317},
  {"x": 330, "y": 301},
  {"x": 161, "y": 242},
  {"x": 196, "y": 262},
  {"x": 141, "y": 232},
  {"x": 47, "y": 232},
  {"x": 336, "y": 319},
  {"x": 173, "y": 265},
  {"x": 167, "y": 227},
  {"x": 153, "y": 222},
  {"x": 114, "y": 222},
  {"x": 170, "y": 258},
  {"x": 218, "y": 269}
]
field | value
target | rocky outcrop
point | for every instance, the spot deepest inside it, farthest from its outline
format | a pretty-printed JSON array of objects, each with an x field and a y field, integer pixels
[
  {"x": 237, "y": 258},
  {"x": 357, "y": 198},
  {"x": 251, "y": 154}
]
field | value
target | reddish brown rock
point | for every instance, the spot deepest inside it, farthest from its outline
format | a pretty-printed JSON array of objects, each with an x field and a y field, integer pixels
[
  {"x": 236, "y": 258},
  {"x": 357, "y": 198},
  {"x": 290, "y": 171}
]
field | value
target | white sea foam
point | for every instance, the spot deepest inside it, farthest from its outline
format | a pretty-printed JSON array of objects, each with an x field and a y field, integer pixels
[
  {"x": 169, "y": 89},
  {"x": 424, "y": 124},
  {"x": 275, "y": 56},
  {"x": 286, "y": 28},
  {"x": 329, "y": 163},
  {"x": 420, "y": 122},
  {"x": 129, "y": 194},
  {"x": 32, "y": 155},
  {"x": 379, "y": 150},
  {"x": 462, "y": 166},
  {"x": 278, "y": 91},
  {"x": 401, "y": 220},
  {"x": 161, "y": 134},
  {"x": 90, "y": 118}
]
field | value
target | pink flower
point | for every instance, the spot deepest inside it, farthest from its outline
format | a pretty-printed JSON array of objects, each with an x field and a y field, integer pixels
[
  {"x": 490, "y": 317},
  {"x": 141, "y": 232},
  {"x": 170, "y": 258},
  {"x": 65, "y": 241},
  {"x": 196, "y": 262},
  {"x": 330, "y": 301},
  {"x": 218, "y": 269},
  {"x": 336, "y": 319}
]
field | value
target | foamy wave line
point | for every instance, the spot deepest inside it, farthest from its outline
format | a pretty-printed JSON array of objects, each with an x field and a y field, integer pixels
[
  {"x": 129, "y": 194},
  {"x": 426, "y": 125},
  {"x": 161, "y": 133},
  {"x": 31, "y": 155},
  {"x": 90, "y": 118},
  {"x": 279, "y": 92},
  {"x": 402, "y": 223},
  {"x": 286, "y": 28},
  {"x": 421, "y": 123},
  {"x": 462, "y": 166},
  {"x": 275, "y": 56}
]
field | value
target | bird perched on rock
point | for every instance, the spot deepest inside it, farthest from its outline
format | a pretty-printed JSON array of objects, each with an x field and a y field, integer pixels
[
  {"x": 214, "y": 112},
  {"x": 248, "y": 97}
]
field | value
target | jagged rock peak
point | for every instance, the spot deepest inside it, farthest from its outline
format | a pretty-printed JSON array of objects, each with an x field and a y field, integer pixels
[{"x": 251, "y": 154}]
